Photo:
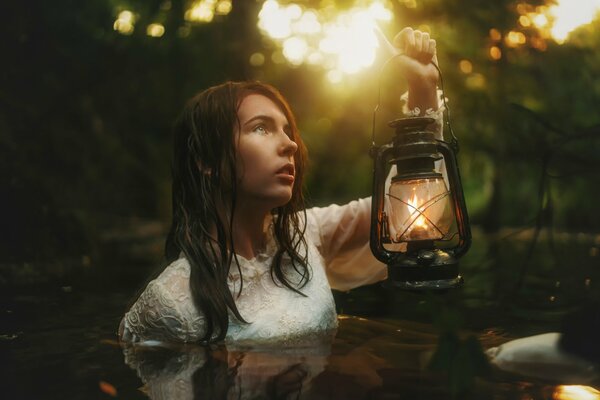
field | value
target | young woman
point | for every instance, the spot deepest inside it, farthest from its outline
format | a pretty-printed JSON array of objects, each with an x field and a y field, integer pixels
[{"x": 247, "y": 261}]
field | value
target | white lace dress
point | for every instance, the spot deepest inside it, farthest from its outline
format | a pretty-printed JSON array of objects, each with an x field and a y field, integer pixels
[{"x": 338, "y": 256}]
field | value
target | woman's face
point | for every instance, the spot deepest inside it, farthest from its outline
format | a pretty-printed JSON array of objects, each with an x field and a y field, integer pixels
[{"x": 265, "y": 153}]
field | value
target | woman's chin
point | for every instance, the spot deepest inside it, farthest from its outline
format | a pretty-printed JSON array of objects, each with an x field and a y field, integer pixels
[{"x": 282, "y": 199}]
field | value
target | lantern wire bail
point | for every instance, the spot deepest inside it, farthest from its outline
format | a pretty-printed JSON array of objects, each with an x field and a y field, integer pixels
[{"x": 454, "y": 141}]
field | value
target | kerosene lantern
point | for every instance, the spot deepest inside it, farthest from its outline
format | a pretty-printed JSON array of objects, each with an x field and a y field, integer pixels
[{"x": 419, "y": 227}]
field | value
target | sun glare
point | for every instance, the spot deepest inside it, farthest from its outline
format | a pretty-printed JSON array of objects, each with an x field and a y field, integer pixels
[
  {"x": 560, "y": 19},
  {"x": 571, "y": 14},
  {"x": 342, "y": 42}
]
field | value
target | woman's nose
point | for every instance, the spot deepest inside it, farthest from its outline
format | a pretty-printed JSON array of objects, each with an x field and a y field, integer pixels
[{"x": 289, "y": 147}]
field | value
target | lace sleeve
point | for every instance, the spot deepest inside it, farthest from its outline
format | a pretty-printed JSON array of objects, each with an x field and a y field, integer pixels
[
  {"x": 438, "y": 115},
  {"x": 343, "y": 241},
  {"x": 165, "y": 311}
]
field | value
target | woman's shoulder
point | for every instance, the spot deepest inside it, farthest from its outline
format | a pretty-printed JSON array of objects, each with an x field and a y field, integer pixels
[
  {"x": 173, "y": 281},
  {"x": 165, "y": 309},
  {"x": 178, "y": 269},
  {"x": 172, "y": 285}
]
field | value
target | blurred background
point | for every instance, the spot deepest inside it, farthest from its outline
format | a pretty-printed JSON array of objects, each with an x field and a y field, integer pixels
[{"x": 89, "y": 91}]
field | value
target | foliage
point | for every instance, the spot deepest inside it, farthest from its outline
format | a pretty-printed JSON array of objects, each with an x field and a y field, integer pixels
[{"x": 86, "y": 114}]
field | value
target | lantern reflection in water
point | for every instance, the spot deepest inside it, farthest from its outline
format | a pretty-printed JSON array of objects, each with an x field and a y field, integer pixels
[{"x": 575, "y": 392}]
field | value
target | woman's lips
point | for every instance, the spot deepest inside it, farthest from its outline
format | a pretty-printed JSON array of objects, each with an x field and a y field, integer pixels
[
  {"x": 287, "y": 169},
  {"x": 286, "y": 172}
]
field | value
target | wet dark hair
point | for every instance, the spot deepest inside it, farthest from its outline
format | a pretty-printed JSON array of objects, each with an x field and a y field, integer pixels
[{"x": 204, "y": 182}]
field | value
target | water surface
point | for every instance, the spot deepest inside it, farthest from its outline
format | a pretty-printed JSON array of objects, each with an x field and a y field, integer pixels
[{"x": 59, "y": 341}]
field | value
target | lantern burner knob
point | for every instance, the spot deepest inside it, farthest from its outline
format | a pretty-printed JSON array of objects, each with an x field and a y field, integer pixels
[{"x": 426, "y": 257}]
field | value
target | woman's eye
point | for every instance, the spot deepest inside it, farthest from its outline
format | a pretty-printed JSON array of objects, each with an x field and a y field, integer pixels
[{"x": 260, "y": 129}]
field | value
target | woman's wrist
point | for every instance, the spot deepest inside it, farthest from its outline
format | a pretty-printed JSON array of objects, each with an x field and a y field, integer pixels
[{"x": 423, "y": 96}]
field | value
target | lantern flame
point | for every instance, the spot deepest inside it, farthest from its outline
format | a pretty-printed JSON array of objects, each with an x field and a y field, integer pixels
[{"x": 415, "y": 213}]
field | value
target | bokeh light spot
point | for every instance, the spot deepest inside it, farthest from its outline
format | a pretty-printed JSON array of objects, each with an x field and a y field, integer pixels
[
  {"x": 495, "y": 35},
  {"x": 201, "y": 11},
  {"x": 257, "y": 59},
  {"x": 466, "y": 67},
  {"x": 475, "y": 82},
  {"x": 124, "y": 24},
  {"x": 223, "y": 7},
  {"x": 495, "y": 53},
  {"x": 155, "y": 30},
  {"x": 515, "y": 39},
  {"x": 524, "y": 21}
]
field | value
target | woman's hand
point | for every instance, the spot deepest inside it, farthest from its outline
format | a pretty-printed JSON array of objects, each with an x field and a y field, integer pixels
[{"x": 418, "y": 51}]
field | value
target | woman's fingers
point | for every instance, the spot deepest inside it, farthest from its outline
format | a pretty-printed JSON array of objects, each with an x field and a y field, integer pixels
[
  {"x": 418, "y": 47},
  {"x": 416, "y": 44},
  {"x": 432, "y": 46},
  {"x": 419, "y": 53},
  {"x": 425, "y": 43},
  {"x": 405, "y": 40}
]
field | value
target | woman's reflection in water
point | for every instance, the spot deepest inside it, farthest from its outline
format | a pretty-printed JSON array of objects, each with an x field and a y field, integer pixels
[
  {"x": 367, "y": 358},
  {"x": 227, "y": 372}
]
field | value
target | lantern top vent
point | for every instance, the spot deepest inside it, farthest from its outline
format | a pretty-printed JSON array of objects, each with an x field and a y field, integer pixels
[{"x": 411, "y": 124}]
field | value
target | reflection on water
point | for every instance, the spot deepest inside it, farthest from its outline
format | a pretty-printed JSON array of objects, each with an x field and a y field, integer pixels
[
  {"x": 63, "y": 352},
  {"x": 366, "y": 360},
  {"x": 573, "y": 392},
  {"x": 198, "y": 372}
]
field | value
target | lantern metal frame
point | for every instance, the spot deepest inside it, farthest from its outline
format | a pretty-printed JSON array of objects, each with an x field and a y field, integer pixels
[{"x": 423, "y": 265}]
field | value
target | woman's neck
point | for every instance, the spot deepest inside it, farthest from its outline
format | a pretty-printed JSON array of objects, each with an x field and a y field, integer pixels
[{"x": 249, "y": 232}]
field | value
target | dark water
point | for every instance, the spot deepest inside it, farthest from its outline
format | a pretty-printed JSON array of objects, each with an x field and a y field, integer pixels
[{"x": 59, "y": 341}]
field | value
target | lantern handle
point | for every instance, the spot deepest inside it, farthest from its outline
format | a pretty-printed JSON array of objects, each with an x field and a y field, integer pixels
[{"x": 453, "y": 141}]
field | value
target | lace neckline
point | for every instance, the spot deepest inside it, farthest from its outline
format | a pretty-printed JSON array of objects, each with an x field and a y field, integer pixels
[
  {"x": 266, "y": 252},
  {"x": 258, "y": 265}
]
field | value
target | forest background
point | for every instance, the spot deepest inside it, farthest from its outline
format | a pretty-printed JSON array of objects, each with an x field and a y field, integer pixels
[{"x": 89, "y": 91}]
